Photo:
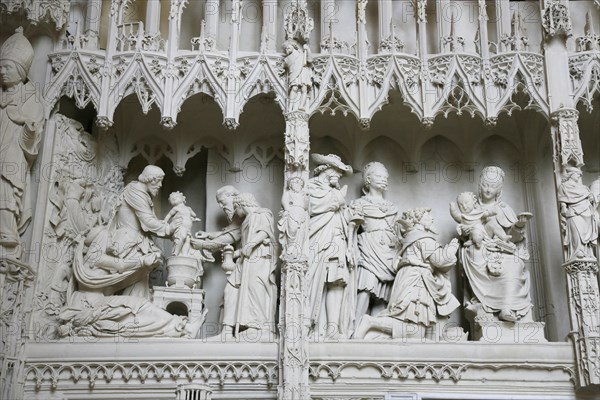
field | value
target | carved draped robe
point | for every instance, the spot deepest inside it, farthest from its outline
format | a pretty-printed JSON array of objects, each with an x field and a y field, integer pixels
[
  {"x": 421, "y": 292},
  {"x": 511, "y": 289},
  {"x": 328, "y": 238},
  {"x": 21, "y": 125},
  {"x": 102, "y": 303},
  {"x": 255, "y": 277},
  {"x": 582, "y": 227},
  {"x": 378, "y": 247}
]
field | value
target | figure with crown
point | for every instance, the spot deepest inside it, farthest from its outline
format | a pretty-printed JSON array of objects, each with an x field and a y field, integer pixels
[{"x": 21, "y": 125}]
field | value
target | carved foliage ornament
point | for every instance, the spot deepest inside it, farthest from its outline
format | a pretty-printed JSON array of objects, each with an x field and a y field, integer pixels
[{"x": 556, "y": 19}]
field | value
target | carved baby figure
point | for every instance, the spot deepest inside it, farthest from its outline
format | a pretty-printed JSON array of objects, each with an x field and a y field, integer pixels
[
  {"x": 474, "y": 222},
  {"x": 182, "y": 217},
  {"x": 471, "y": 217}
]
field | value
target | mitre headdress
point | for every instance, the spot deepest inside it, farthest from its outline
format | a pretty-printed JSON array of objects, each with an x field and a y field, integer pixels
[{"x": 18, "y": 49}]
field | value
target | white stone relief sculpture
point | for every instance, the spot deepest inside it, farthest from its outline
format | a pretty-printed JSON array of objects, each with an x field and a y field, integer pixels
[
  {"x": 474, "y": 221},
  {"x": 184, "y": 267},
  {"x": 331, "y": 281},
  {"x": 226, "y": 239},
  {"x": 110, "y": 293},
  {"x": 84, "y": 187},
  {"x": 498, "y": 281},
  {"x": 299, "y": 75},
  {"x": 421, "y": 299},
  {"x": 293, "y": 221},
  {"x": 21, "y": 126},
  {"x": 254, "y": 274},
  {"x": 373, "y": 241},
  {"x": 578, "y": 215},
  {"x": 595, "y": 189},
  {"x": 183, "y": 217}
]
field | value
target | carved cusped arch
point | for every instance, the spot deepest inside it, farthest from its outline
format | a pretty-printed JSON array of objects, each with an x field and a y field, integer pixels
[
  {"x": 139, "y": 77},
  {"x": 400, "y": 73},
  {"x": 586, "y": 81},
  {"x": 199, "y": 75},
  {"x": 77, "y": 77},
  {"x": 458, "y": 81},
  {"x": 338, "y": 83},
  {"x": 518, "y": 73},
  {"x": 262, "y": 76}
]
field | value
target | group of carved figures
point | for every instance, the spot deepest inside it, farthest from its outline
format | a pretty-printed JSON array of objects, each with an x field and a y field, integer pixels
[
  {"x": 372, "y": 271},
  {"x": 368, "y": 256}
]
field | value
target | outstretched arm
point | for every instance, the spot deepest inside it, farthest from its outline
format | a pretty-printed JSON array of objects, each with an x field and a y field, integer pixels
[{"x": 455, "y": 212}]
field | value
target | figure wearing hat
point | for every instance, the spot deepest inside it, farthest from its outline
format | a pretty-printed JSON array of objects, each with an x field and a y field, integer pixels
[
  {"x": 332, "y": 292},
  {"x": 21, "y": 125}
]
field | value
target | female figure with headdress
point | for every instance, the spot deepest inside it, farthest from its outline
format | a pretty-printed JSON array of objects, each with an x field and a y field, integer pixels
[
  {"x": 21, "y": 125},
  {"x": 373, "y": 242},
  {"x": 498, "y": 282}
]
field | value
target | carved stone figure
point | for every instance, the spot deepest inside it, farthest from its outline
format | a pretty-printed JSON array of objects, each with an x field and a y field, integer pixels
[
  {"x": 421, "y": 296},
  {"x": 373, "y": 241},
  {"x": 331, "y": 287},
  {"x": 230, "y": 235},
  {"x": 21, "y": 125},
  {"x": 474, "y": 221},
  {"x": 299, "y": 75},
  {"x": 183, "y": 216},
  {"x": 256, "y": 265},
  {"x": 498, "y": 280},
  {"x": 293, "y": 221},
  {"x": 578, "y": 215},
  {"x": 595, "y": 189},
  {"x": 110, "y": 293}
]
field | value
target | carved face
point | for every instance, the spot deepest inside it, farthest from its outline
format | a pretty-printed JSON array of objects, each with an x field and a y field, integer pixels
[
  {"x": 9, "y": 74},
  {"x": 176, "y": 199},
  {"x": 489, "y": 190},
  {"x": 466, "y": 204},
  {"x": 333, "y": 177},
  {"x": 225, "y": 201},
  {"x": 378, "y": 179},
  {"x": 154, "y": 186}
]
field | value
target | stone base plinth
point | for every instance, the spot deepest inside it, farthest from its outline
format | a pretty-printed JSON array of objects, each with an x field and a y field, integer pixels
[
  {"x": 181, "y": 301},
  {"x": 509, "y": 332}
]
